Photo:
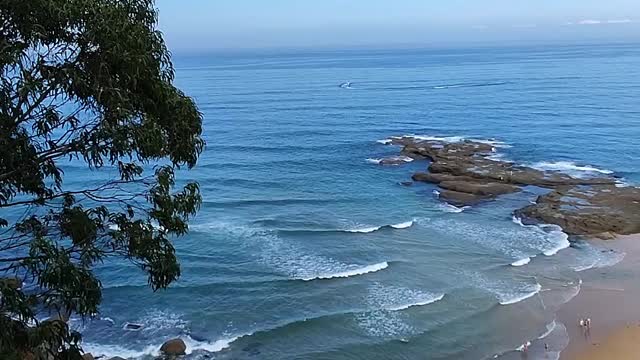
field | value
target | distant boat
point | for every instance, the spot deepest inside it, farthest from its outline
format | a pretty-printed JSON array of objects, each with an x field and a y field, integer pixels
[{"x": 346, "y": 85}]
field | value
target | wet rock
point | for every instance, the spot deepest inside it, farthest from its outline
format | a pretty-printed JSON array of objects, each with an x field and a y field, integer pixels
[
  {"x": 491, "y": 189},
  {"x": 174, "y": 347},
  {"x": 88, "y": 356},
  {"x": 461, "y": 198},
  {"x": 467, "y": 173},
  {"x": 117, "y": 358},
  {"x": 588, "y": 210}
]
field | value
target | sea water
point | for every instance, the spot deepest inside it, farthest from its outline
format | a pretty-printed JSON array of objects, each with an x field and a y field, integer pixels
[{"x": 306, "y": 248}]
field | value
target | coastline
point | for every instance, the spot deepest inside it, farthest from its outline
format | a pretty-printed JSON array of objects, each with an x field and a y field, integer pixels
[{"x": 609, "y": 296}]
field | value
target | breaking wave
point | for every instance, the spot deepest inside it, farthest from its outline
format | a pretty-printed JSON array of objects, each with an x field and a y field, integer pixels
[
  {"x": 518, "y": 296},
  {"x": 557, "y": 239},
  {"x": 392, "y": 160},
  {"x": 570, "y": 168},
  {"x": 370, "y": 229},
  {"x": 349, "y": 273},
  {"x": 521, "y": 262},
  {"x": 110, "y": 351}
]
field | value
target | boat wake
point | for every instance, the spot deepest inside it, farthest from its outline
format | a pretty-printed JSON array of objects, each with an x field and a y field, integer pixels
[{"x": 467, "y": 85}]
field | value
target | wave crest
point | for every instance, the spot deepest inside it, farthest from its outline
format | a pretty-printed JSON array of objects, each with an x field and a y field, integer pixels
[{"x": 349, "y": 273}]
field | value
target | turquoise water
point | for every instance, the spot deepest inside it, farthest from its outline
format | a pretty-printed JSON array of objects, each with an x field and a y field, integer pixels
[{"x": 306, "y": 249}]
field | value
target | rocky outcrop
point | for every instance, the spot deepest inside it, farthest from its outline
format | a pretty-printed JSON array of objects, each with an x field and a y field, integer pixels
[
  {"x": 589, "y": 210},
  {"x": 87, "y": 356},
  {"x": 174, "y": 347},
  {"x": 468, "y": 173}
]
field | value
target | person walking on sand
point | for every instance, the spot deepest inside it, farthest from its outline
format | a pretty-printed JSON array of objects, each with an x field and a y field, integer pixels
[{"x": 588, "y": 323}]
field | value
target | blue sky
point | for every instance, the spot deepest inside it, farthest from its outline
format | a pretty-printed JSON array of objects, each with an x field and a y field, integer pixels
[{"x": 240, "y": 24}]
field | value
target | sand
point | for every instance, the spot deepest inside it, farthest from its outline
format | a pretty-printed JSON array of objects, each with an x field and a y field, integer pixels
[
  {"x": 611, "y": 298},
  {"x": 622, "y": 344}
]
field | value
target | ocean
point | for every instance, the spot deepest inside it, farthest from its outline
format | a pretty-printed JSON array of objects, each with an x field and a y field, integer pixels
[{"x": 306, "y": 248}]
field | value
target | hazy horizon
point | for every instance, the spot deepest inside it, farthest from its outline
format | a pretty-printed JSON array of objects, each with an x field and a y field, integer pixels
[{"x": 250, "y": 24}]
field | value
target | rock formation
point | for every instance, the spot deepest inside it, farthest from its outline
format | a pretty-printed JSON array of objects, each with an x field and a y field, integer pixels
[
  {"x": 174, "y": 347},
  {"x": 468, "y": 173}
]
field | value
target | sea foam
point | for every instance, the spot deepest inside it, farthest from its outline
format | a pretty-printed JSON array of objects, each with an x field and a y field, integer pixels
[
  {"x": 349, "y": 273},
  {"x": 569, "y": 168},
  {"x": 509, "y": 299},
  {"x": 430, "y": 299}
]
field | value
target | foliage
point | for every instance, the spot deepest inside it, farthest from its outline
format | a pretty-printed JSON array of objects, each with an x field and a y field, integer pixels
[{"x": 85, "y": 83}]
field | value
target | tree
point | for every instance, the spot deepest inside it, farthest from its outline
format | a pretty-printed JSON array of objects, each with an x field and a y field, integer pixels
[{"x": 90, "y": 83}]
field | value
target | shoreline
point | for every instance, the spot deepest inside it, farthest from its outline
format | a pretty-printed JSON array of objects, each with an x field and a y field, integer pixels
[{"x": 609, "y": 297}]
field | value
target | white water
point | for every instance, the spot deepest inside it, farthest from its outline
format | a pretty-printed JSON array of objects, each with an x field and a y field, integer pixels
[
  {"x": 154, "y": 350},
  {"x": 426, "y": 301},
  {"x": 403, "y": 225},
  {"x": 520, "y": 297},
  {"x": 569, "y": 168},
  {"x": 349, "y": 273},
  {"x": 521, "y": 262}
]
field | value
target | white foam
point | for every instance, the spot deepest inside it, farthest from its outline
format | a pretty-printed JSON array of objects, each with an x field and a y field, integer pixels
[
  {"x": 562, "y": 242},
  {"x": 595, "y": 257},
  {"x": 370, "y": 229},
  {"x": 154, "y": 350},
  {"x": 493, "y": 142},
  {"x": 426, "y": 301},
  {"x": 365, "y": 230},
  {"x": 521, "y": 262},
  {"x": 392, "y": 160},
  {"x": 557, "y": 239},
  {"x": 349, "y": 273},
  {"x": 550, "y": 327},
  {"x": 521, "y": 347},
  {"x": 452, "y": 208},
  {"x": 569, "y": 167},
  {"x": 447, "y": 139},
  {"x": 520, "y": 296},
  {"x": 110, "y": 351},
  {"x": 403, "y": 225},
  {"x": 385, "y": 141}
]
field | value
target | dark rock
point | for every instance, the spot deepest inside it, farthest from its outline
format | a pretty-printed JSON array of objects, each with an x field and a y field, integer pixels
[
  {"x": 588, "y": 210},
  {"x": 438, "y": 178},
  {"x": 88, "y": 356},
  {"x": 461, "y": 198},
  {"x": 468, "y": 175},
  {"x": 117, "y": 358},
  {"x": 477, "y": 188},
  {"x": 174, "y": 347},
  {"x": 406, "y": 183}
]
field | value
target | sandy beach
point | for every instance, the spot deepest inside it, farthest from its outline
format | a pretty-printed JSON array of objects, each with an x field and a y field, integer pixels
[{"x": 609, "y": 296}]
